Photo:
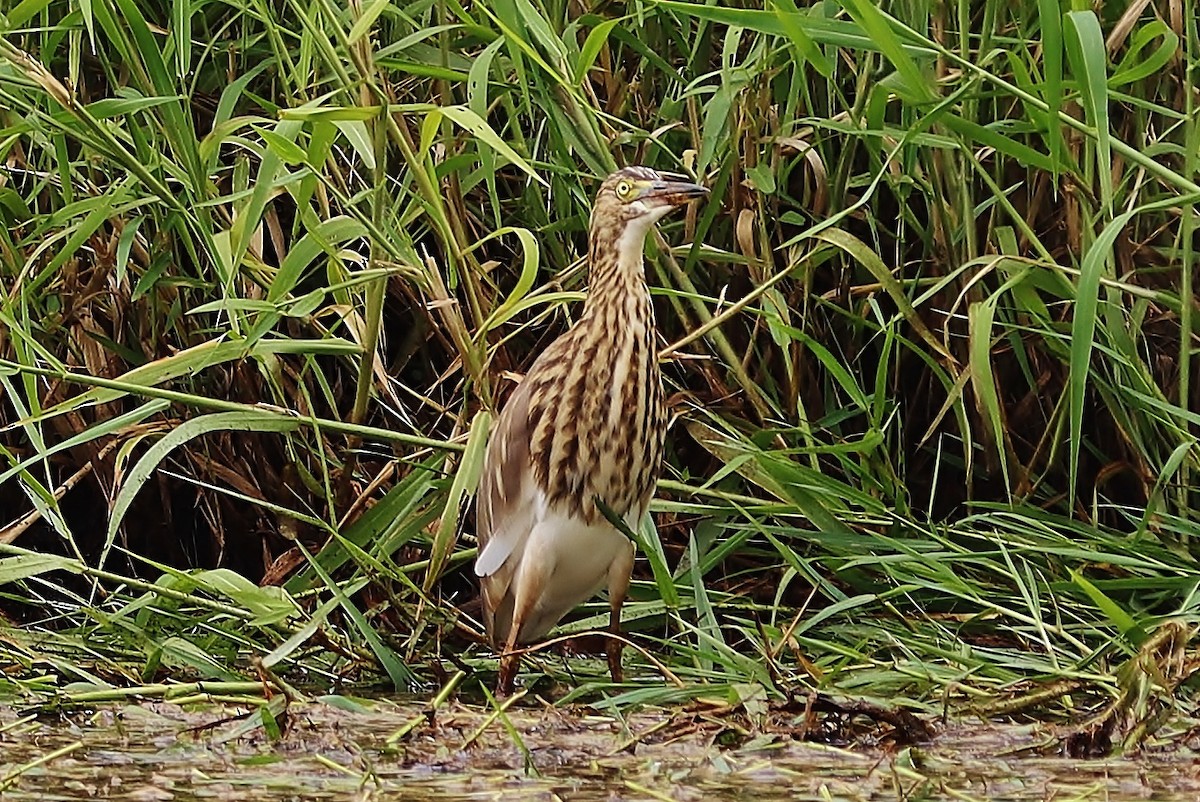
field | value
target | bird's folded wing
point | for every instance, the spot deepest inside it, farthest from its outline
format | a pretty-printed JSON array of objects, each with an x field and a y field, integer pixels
[{"x": 510, "y": 502}]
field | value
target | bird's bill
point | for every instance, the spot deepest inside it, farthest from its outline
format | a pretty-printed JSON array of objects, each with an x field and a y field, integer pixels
[{"x": 673, "y": 191}]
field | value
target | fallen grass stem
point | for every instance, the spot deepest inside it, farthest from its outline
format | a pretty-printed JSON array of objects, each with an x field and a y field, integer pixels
[
  {"x": 7, "y": 781},
  {"x": 168, "y": 691},
  {"x": 499, "y": 708},
  {"x": 431, "y": 708}
]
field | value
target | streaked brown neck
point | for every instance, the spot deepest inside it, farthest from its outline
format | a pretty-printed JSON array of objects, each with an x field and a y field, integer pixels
[{"x": 617, "y": 288}]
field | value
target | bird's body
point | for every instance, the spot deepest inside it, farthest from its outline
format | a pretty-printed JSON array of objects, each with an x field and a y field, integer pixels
[{"x": 587, "y": 423}]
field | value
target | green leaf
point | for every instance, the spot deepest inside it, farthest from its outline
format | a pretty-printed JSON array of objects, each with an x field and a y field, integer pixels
[
  {"x": 191, "y": 361},
  {"x": 362, "y": 25},
  {"x": 1050, "y": 18},
  {"x": 327, "y": 237},
  {"x": 796, "y": 25},
  {"x": 530, "y": 259},
  {"x": 596, "y": 39},
  {"x": 288, "y": 151},
  {"x": 186, "y": 431},
  {"x": 401, "y": 676},
  {"x": 270, "y": 604},
  {"x": 475, "y": 125},
  {"x": 895, "y": 290},
  {"x": 706, "y": 618},
  {"x": 647, "y": 540},
  {"x": 1130, "y": 629},
  {"x": 359, "y": 137},
  {"x": 826, "y": 31},
  {"x": 1134, "y": 66},
  {"x": 1087, "y": 54},
  {"x": 87, "y": 435},
  {"x": 23, "y": 566},
  {"x": 913, "y": 85},
  {"x": 1083, "y": 336},
  {"x": 25, "y": 11},
  {"x": 403, "y": 512},
  {"x": 465, "y": 480},
  {"x": 980, "y": 316}
]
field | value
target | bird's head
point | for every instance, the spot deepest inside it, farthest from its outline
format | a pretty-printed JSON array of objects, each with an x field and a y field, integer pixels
[{"x": 634, "y": 198}]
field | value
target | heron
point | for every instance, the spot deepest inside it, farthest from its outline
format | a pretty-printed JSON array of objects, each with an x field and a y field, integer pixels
[{"x": 584, "y": 430}]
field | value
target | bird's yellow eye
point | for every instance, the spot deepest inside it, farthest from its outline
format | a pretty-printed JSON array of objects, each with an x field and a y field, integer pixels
[{"x": 624, "y": 190}]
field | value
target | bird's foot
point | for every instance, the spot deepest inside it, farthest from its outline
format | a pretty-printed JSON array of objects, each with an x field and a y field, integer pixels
[
  {"x": 613, "y": 649},
  {"x": 509, "y": 663}
]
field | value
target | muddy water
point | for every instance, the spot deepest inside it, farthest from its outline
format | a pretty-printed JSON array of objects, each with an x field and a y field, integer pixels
[{"x": 158, "y": 751}]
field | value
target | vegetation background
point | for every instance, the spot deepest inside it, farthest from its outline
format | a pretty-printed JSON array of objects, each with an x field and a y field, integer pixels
[{"x": 267, "y": 267}]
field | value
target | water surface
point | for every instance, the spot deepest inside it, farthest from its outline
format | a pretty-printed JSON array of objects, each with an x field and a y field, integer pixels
[{"x": 160, "y": 751}]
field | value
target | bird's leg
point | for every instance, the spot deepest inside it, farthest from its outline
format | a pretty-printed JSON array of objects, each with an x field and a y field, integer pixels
[
  {"x": 619, "y": 574},
  {"x": 527, "y": 590},
  {"x": 509, "y": 663}
]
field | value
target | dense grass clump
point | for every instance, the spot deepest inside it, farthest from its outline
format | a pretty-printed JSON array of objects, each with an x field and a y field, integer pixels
[{"x": 268, "y": 268}]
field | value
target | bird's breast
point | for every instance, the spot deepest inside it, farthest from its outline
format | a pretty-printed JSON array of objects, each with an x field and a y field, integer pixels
[{"x": 598, "y": 420}]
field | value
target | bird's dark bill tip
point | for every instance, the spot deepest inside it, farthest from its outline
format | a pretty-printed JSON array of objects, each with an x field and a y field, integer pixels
[{"x": 677, "y": 192}]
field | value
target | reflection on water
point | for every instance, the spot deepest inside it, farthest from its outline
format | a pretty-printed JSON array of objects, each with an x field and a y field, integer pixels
[{"x": 162, "y": 752}]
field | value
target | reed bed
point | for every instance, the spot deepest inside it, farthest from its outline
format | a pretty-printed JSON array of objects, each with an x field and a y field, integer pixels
[{"x": 268, "y": 269}]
